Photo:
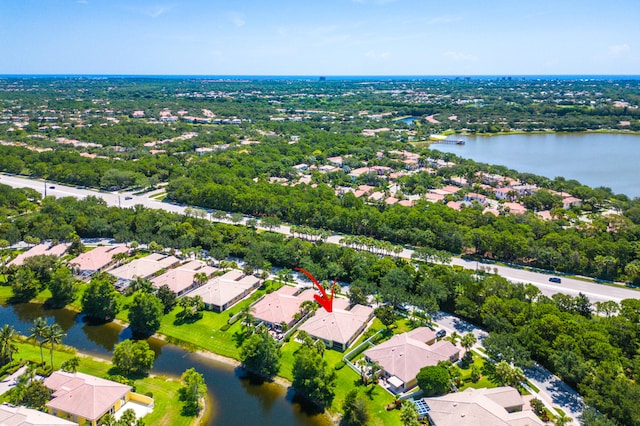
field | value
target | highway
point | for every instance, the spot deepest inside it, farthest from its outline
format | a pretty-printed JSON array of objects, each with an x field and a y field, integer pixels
[{"x": 570, "y": 286}]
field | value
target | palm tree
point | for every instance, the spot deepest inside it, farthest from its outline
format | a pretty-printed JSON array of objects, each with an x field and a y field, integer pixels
[
  {"x": 53, "y": 335},
  {"x": 71, "y": 365},
  {"x": 467, "y": 341},
  {"x": 37, "y": 334},
  {"x": 7, "y": 346}
]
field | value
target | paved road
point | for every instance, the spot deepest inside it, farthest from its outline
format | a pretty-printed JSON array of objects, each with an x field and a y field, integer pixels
[
  {"x": 553, "y": 391},
  {"x": 595, "y": 292}
]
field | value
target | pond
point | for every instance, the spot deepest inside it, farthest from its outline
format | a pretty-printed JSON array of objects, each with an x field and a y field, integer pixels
[{"x": 236, "y": 400}]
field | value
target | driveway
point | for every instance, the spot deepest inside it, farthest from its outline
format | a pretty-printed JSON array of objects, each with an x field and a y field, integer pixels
[
  {"x": 10, "y": 381},
  {"x": 553, "y": 391}
]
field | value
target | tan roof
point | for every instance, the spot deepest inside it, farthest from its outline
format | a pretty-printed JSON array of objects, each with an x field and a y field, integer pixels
[
  {"x": 22, "y": 416},
  {"x": 405, "y": 354},
  {"x": 339, "y": 325},
  {"x": 97, "y": 258},
  {"x": 281, "y": 305},
  {"x": 144, "y": 267},
  {"x": 221, "y": 290},
  {"x": 474, "y": 407},
  {"x": 83, "y": 395},
  {"x": 41, "y": 249},
  {"x": 180, "y": 278}
]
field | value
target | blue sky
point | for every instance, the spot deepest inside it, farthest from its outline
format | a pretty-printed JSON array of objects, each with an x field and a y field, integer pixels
[{"x": 327, "y": 37}]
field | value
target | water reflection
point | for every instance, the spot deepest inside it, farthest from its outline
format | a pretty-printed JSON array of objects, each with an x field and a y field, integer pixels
[{"x": 234, "y": 400}]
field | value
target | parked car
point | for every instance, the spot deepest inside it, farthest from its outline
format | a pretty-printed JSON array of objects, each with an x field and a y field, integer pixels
[
  {"x": 52, "y": 187},
  {"x": 555, "y": 280},
  {"x": 128, "y": 198},
  {"x": 441, "y": 333}
]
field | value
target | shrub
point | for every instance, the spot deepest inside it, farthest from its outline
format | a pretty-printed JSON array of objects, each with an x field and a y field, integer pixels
[{"x": 339, "y": 365}]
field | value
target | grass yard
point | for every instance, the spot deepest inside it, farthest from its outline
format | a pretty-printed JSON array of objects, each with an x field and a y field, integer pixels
[
  {"x": 164, "y": 389},
  {"x": 346, "y": 380},
  {"x": 484, "y": 382}
]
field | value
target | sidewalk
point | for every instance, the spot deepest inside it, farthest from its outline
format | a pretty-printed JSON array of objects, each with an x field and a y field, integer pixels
[
  {"x": 554, "y": 393},
  {"x": 10, "y": 381}
]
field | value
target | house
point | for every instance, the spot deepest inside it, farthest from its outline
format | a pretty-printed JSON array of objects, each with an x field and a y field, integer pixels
[
  {"x": 568, "y": 202},
  {"x": 144, "y": 267},
  {"x": 281, "y": 306},
  {"x": 40, "y": 250},
  {"x": 96, "y": 260},
  {"x": 502, "y": 406},
  {"x": 181, "y": 279},
  {"x": 340, "y": 327},
  {"x": 472, "y": 196},
  {"x": 84, "y": 399},
  {"x": 221, "y": 293},
  {"x": 23, "y": 416},
  {"x": 138, "y": 114},
  {"x": 514, "y": 208},
  {"x": 402, "y": 356}
]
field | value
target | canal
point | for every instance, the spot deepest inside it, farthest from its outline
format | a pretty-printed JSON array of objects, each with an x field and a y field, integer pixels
[{"x": 236, "y": 400}]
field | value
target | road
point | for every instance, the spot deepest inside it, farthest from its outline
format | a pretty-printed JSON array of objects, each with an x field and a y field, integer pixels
[
  {"x": 570, "y": 286},
  {"x": 553, "y": 392}
]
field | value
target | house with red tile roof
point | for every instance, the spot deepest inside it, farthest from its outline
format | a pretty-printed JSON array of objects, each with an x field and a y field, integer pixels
[
  {"x": 402, "y": 356},
  {"x": 221, "y": 293},
  {"x": 281, "y": 306},
  {"x": 84, "y": 399},
  {"x": 502, "y": 406},
  {"x": 144, "y": 267},
  {"x": 181, "y": 279},
  {"x": 22, "y": 416},
  {"x": 514, "y": 208},
  {"x": 472, "y": 196},
  {"x": 43, "y": 249},
  {"x": 570, "y": 201},
  {"x": 340, "y": 327},
  {"x": 96, "y": 260}
]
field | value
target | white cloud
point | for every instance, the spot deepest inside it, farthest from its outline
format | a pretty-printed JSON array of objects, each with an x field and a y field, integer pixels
[
  {"x": 378, "y": 56},
  {"x": 237, "y": 19},
  {"x": 619, "y": 49},
  {"x": 152, "y": 11},
  {"x": 459, "y": 56}
]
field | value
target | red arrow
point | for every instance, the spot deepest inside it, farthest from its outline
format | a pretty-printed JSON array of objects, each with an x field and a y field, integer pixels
[{"x": 324, "y": 301}]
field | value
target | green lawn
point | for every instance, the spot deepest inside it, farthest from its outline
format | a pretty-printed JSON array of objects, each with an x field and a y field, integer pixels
[
  {"x": 206, "y": 332},
  {"x": 164, "y": 389},
  {"x": 346, "y": 379},
  {"x": 484, "y": 382}
]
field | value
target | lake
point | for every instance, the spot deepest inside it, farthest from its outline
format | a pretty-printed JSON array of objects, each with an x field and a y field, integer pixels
[
  {"x": 594, "y": 159},
  {"x": 235, "y": 400}
]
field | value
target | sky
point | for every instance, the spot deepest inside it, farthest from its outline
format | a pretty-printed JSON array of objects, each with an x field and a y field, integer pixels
[{"x": 320, "y": 37}]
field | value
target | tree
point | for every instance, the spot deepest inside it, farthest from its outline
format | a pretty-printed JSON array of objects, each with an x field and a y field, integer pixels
[
  {"x": 433, "y": 380},
  {"x": 509, "y": 375},
  {"x": 133, "y": 357},
  {"x": 25, "y": 285},
  {"x": 409, "y": 414},
  {"x": 37, "y": 333},
  {"x": 7, "y": 345},
  {"x": 191, "y": 308},
  {"x": 35, "y": 395},
  {"x": 71, "y": 365},
  {"x": 53, "y": 335},
  {"x": 62, "y": 287},
  {"x": 100, "y": 299},
  {"x": 312, "y": 378},
  {"x": 355, "y": 410},
  {"x": 467, "y": 341},
  {"x": 167, "y": 297},
  {"x": 192, "y": 392},
  {"x": 145, "y": 314},
  {"x": 260, "y": 354},
  {"x": 386, "y": 315}
]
